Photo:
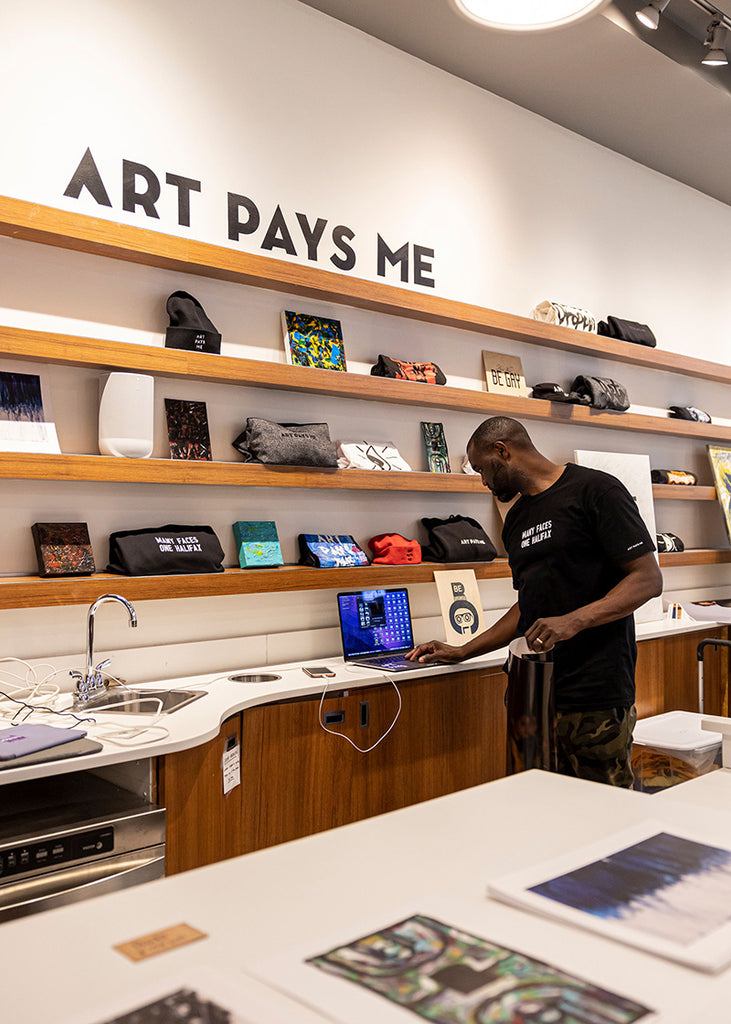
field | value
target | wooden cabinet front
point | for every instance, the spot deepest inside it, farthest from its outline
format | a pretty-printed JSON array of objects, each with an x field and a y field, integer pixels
[
  {"x": 203, "y": 825},
  {"x": 297, "y": 779},
  {"x": 450, "y": 735}
]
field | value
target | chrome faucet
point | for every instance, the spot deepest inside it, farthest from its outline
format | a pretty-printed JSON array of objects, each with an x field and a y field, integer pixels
[{"x": 91, "y": 685}]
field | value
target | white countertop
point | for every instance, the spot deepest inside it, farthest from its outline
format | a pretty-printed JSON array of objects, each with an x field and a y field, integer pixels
[
  {"x": 200, "y": 721},
  {"x": 295, "y": 895}
]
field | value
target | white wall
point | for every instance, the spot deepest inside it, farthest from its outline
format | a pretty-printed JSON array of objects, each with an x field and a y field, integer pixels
[{"x": 282, "y": 104}]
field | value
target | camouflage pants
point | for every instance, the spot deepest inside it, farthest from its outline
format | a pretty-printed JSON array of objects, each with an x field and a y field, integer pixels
[{"x": 597, "y": 745}]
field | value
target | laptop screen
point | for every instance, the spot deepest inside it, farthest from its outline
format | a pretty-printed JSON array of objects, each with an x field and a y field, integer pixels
[{"x": 375, "y": 622}]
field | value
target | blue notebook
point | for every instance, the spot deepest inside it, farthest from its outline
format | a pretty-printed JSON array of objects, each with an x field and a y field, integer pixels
[{"x": 19, "y": 740}]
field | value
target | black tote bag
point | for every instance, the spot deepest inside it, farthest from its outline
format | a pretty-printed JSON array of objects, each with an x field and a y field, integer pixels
[{"x": 171, "y": 550}]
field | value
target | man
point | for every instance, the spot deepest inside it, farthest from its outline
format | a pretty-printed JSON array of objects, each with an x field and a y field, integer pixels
[{"x": 582, "y": 561}]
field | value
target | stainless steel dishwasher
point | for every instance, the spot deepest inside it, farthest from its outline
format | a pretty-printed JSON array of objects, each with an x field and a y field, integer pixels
[{"x": 69, "y": 837}]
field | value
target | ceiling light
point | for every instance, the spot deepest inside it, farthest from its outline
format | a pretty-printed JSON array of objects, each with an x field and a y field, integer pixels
[
  {"x": 650, "y": 16},
  {"x": 715, "y": 41},
  {"x": 528, "y": 15}
]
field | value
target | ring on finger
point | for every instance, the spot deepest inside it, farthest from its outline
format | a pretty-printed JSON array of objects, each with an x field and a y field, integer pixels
[{"x": 539, "y": 641}]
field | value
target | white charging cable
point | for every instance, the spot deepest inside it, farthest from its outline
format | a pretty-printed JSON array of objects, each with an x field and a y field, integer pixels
[{"x": 361, "y": 750}]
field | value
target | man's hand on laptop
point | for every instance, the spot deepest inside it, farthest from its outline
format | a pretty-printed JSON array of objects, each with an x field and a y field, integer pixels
[{"x": 435, "y": 652}]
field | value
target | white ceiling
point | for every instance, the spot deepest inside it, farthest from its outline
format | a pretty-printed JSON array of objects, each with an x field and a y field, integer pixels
[{"x": 641, "y": 93}]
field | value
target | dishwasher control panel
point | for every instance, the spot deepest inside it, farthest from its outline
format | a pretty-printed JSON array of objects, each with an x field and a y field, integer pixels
[{"x": 58, "y": 850}]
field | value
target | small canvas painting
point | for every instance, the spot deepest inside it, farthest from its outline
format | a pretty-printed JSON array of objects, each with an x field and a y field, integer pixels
[
  {"x": 313, "y": 341},
  {"x": 257, "y": 544},
  {"x": 63, "y": 549},
  {"x": 435, "y": 443},
  {"x": 449, "y": 976},
  {"x": 188, "y": 430}
]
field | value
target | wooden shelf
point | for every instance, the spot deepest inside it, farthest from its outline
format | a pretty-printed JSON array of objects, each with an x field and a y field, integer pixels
[
  {"x": 680, "y": 492},
  {"x": 39, "y": 346},
  {"x": 695, "y": 556},
  {"x": 70, "y": 230},
  {"x": 172, "y": 471},
  {"x": 33, "y": 592},
  {"x": 102, "y": 468}
]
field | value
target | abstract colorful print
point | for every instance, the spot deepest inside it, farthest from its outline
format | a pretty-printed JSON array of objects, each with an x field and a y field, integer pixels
[{"x": 450, "y": 976}]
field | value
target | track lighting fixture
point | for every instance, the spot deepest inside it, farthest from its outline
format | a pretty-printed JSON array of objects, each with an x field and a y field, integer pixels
[
  {"x": 650, "y": 16},
  {"x": 716, "y": 42},
  {"x": 528, "y": 15}
]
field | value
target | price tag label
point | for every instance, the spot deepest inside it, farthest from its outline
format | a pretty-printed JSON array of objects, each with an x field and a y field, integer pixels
[
  {"x": 231, "y": 767},
  {"x": 159, "y": 942}
]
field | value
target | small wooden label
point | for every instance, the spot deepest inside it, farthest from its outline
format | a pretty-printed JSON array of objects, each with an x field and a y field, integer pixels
[
  {"x": 159, "y": 942},
  {"x": 504, "y": 374}
]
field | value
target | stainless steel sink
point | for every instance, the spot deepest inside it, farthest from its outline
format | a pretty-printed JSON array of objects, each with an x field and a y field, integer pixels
[
  {"x": 144, "y": 702},
  {"x": 254, "y": 677}
]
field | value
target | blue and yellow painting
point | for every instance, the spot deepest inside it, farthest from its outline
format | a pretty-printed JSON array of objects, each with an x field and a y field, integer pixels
[
  {"x": 314, "y": 341},
  {"x": 257, "y": 544},
  {"x": 449, "y": 976}
]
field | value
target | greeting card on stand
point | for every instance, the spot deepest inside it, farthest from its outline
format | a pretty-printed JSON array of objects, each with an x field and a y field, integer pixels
[
  {"x": 188, "y": 430},
  {"x": 313, "y": 341},
  {"x": 459, "y": 599},
  {"x": 437, "y": 456},
  {"x": 504, "y": 374},
  {"x": 23, "y": 426}
]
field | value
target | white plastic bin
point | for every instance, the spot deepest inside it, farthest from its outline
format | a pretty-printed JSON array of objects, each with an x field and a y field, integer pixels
[{"x": 672, "y": 748}]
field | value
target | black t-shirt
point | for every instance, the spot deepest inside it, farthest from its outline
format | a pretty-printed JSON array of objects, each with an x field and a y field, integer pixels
[{"x": 566, "y": 547}]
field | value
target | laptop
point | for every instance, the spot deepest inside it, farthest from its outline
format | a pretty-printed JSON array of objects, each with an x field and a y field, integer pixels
[{"x": 375, "y": 627}]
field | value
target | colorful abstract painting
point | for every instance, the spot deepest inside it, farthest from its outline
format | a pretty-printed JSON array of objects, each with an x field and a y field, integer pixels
[
  {"x": 435, "y": 442},
  {"x": 313, "y": 341},
  {"x": 20, "y": 397},
  {"x": 188, "y": 430},
  {"x": 257, "y": 544},
  {"x": 449, "y": 976},
  {"x": 721, "y": 464},
  {"x": 666, "y": 886}
]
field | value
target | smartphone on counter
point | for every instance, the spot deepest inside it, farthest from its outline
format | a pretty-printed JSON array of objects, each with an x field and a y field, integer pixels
[{"x": 318, "y": 671}]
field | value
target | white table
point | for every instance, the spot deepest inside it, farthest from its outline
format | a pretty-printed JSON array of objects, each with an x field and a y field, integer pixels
[{"x": 254, "y": 906}]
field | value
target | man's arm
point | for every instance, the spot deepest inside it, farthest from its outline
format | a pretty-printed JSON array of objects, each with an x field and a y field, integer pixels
[
  {"x": 492, "y": 639},
  {"x": 642, "y": 580}
]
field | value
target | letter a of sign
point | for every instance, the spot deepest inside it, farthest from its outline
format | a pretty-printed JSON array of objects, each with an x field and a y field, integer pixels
[{"x": 87, "y": 175}]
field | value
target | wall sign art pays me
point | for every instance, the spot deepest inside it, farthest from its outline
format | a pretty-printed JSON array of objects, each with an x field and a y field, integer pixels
[{"x": 295, "y": 234}]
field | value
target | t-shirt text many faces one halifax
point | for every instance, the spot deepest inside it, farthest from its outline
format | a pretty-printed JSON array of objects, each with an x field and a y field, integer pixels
[{"x": 566, "y": 547}]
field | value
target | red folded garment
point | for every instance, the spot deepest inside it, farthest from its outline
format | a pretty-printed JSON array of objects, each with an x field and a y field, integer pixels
[{"x": 393, "y": 549}]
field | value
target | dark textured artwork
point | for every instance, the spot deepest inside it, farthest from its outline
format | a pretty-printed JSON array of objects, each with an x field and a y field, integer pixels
[
  {"x": 20, "y": 397},
  {"x": 63, "y": 549},
  {"x": 182, "y": 1007},
  {"x": 449, "y": 976},
  {"x": 188, "y": 430}
]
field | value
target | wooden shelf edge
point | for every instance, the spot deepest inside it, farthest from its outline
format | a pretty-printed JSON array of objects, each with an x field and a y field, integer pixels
[
  {"x": 695, "y": 556},
  {"x": 101, "y": 354},
  {"x": 33, "y": 592},
  {"x": 101, "y": 468},
  {"x": 680, "y": 492},
  {"x": 85, "y": 233}
]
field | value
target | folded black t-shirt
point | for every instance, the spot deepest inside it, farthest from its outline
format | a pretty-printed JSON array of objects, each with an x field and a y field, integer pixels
[{"x": 566, "y": 548}]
